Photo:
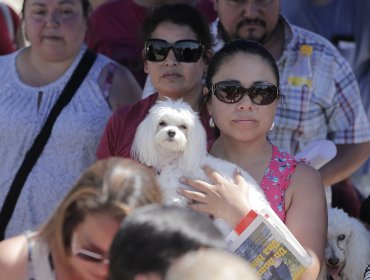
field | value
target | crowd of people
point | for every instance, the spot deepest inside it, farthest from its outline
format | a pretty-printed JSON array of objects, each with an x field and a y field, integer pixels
[{"x": 73, "y": 203}]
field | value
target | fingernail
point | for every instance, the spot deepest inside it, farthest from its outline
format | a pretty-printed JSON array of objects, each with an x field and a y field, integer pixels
[{"x": 238, "y": 170}]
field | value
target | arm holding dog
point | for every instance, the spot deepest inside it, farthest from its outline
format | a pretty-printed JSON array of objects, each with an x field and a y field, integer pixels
[{"x": 227, "y": 200}]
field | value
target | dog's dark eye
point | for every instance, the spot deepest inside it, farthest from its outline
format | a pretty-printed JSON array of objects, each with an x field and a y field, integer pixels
[
  {"x": 162, "y": 123},
  {"x": 183, "y": 127},
  {"x": 341, "y": 237}
]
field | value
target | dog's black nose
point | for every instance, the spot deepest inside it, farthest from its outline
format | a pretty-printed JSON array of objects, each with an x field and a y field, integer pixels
[
  {"x": 333, "y": 261},
  {"x": 171, "y": 133}
]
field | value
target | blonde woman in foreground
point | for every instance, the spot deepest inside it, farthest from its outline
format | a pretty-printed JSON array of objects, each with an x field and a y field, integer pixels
[{"x": 75, "y": 241}]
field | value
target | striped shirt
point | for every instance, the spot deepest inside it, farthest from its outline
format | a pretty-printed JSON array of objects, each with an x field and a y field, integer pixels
[{"x": 367, "y": 273}]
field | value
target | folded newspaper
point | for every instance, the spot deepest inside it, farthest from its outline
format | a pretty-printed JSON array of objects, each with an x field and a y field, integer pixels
[{"x": 268, "y": 245}]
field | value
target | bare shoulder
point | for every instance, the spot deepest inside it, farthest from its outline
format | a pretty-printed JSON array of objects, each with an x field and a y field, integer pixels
[
  {"x": 306, "y": 175},
  {"x": 125, "y": 90},
  {"x": 122, "y": 73},
  {"x": 305, "y": 183},
  {"x": 14, "y": 258}
]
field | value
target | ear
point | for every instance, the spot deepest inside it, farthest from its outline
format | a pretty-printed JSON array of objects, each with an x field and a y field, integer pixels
[
  {"x": 209, "y": 54},
  {"x": 215, "y": 4},
  {"x": 358, "y": 244},
  {"x": 143, "y": 148},
  {"x": 208, "y": 100},
  {"x": 145, "y": 62},
  {"x": 205, "y": 91},
  {"x": 196, "y": 148}
]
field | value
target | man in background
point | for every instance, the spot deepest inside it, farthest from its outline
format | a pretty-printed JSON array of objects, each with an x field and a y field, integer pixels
[{"x": 328, "y": 107}]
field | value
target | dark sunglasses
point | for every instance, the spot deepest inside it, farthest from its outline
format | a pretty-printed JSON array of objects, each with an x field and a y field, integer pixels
[
  {"x": 261, "y": 93},
  {"x": 184, "y": 50}
]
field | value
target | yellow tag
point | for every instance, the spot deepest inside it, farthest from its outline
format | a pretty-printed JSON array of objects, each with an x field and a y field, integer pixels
[{"x": 299, "y": 81}]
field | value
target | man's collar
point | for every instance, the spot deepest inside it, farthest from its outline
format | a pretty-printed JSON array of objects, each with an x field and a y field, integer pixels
[
  {"x": 289, "y": 38},
  {"x": 218, "y": 42}
]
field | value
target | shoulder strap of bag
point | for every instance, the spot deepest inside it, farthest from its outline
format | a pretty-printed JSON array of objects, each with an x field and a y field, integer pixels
[
  {"x": 40, "y": 141},
  {"x": 8, "y": 19}
]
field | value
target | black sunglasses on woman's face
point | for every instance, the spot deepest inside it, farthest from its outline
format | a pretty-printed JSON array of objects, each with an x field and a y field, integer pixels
[
  {"x": 261, "y": 93},
  {"x": 184, "y": 50}
]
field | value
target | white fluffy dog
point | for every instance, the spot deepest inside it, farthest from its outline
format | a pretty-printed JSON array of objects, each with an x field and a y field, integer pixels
[
  {"x": 348, "y": 250},
  {"x": 172, "y": 140}
]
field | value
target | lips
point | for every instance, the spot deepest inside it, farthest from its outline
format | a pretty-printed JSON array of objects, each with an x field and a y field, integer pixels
[
  {"x": 251, "y": 23},
  {"x": 245, "y": 120},
  {"x": 51, "y": 38},
  {"x": 170, "y": 75}
]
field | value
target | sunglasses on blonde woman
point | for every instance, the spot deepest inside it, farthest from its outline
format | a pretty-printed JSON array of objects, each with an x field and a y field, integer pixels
[
  {"x": 90, "y": 256},
  {"x": 87, "y": 255},
  {"x": 185, "y": 50},
  {"x": 261, "y": 93}
]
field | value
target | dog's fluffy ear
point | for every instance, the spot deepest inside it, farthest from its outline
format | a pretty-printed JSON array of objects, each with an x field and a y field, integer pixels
[
  {"x": 196, "y": 148},
  {"x": 143, "y": 148},
  {"x": 358, "y": 250}
]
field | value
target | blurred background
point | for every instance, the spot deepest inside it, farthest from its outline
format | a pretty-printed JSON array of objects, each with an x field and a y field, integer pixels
[{"x": 16, "y": 4}]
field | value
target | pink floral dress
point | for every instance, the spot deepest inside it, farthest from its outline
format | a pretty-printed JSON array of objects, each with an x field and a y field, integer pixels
[{"x": 277, "y": 179}]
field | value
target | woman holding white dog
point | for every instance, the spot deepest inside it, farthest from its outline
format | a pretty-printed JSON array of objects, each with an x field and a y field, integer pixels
[
  {"x": 242, "y": 95},
  {"x": 176, "y": 54}
]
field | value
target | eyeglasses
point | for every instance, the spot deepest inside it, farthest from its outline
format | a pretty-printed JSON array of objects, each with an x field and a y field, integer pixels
[
  {"x": 90, "y": 256},
  {"x": 184, "y": 50},
  {"x": 261, "y": 93},
  {"x": 87, "y": 255}
]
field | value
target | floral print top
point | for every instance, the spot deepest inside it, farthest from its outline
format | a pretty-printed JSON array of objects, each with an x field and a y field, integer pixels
[{"x": 277, "y": 179}]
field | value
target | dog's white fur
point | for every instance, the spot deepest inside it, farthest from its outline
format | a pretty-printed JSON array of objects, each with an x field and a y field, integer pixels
[
  {"x": 348, "y": 249},
  {"x": 172, "y": 140}
]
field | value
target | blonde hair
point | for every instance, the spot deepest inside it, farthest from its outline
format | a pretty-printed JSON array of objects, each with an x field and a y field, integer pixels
[{"x": 114, "y": 186}]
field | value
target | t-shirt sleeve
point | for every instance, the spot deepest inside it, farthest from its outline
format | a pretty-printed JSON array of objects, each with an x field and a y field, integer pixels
[{"x": 110, "y": 138}]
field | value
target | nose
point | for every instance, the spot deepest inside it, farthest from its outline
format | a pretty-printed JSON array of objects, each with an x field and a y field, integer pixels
[
  {"x": 53, "y": 18},
  {"x": 171, "y": 59},
  {"x": 102, "y": 270},
  {"x": 333, "y": 261},
  {"x": 250, "y": 9},
  {"x": 245, "y": 103},
  {"x": 171, "y": 133}
]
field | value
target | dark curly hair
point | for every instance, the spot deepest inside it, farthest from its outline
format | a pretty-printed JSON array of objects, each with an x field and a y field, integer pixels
[{"x": 180, "y": 14}]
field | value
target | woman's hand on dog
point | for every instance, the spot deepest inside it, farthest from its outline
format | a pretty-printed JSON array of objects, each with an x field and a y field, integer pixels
[{"x": 221, "y": 198}]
